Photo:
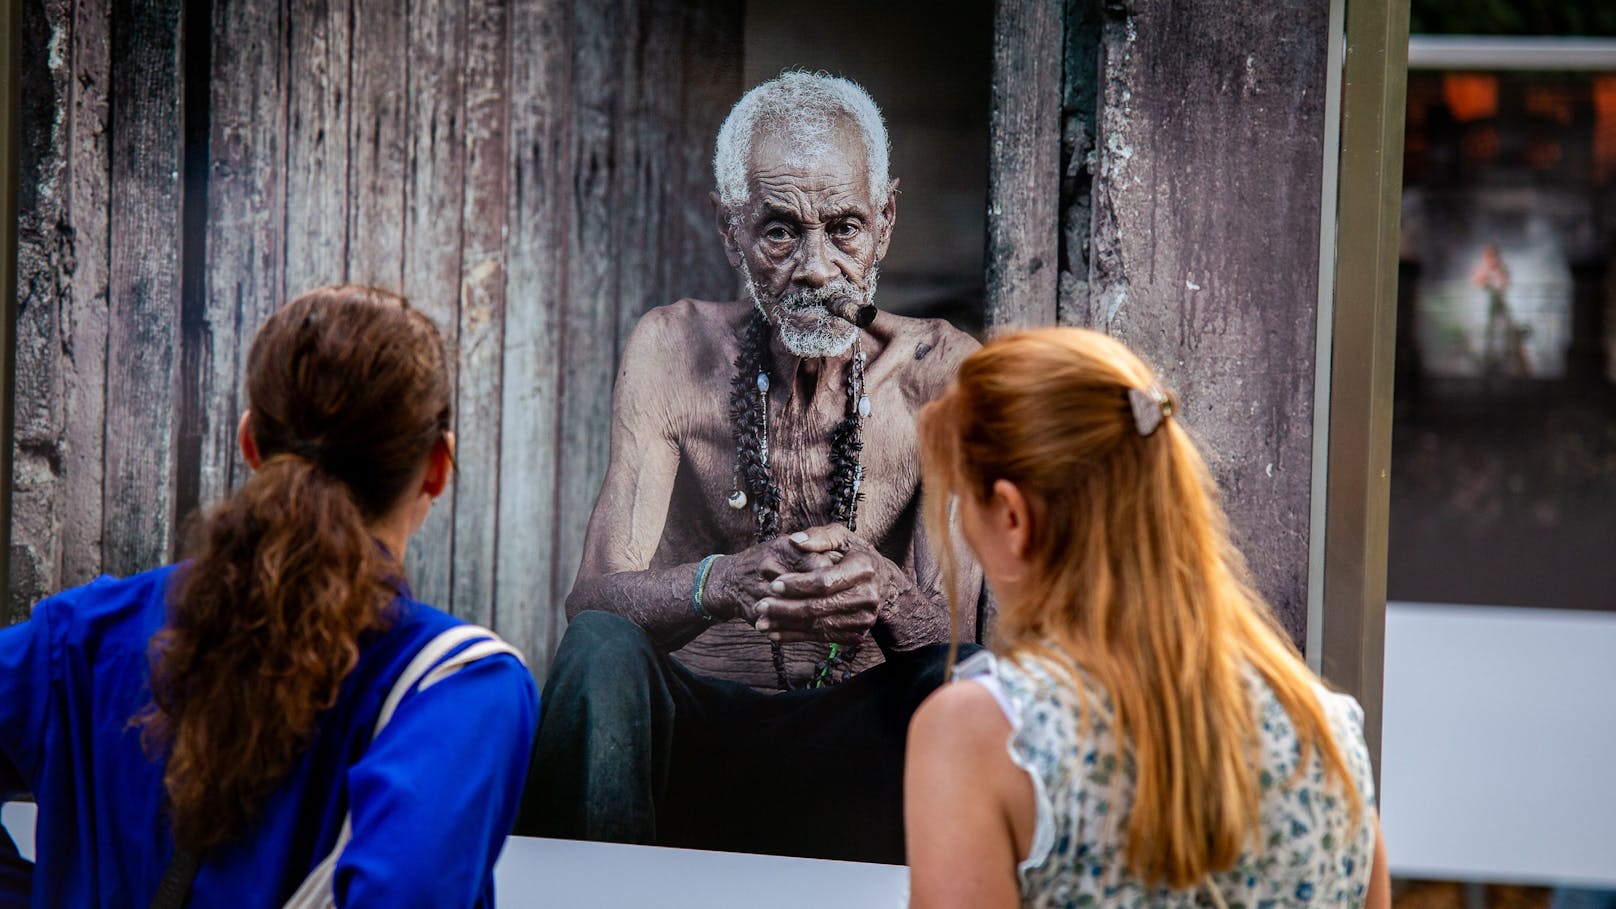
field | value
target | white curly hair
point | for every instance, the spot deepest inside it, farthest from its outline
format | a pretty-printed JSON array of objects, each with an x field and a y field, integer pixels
[{"x": 808, "y": 106}]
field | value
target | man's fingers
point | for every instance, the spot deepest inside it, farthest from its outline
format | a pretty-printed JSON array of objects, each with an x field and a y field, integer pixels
[
  {"x": 808, "y": 562},
  {"x": 772, "y": 567},
  {"x": 779, "y": 616},
  {"x": 808, "y": 584},
  {"x": 816, "y": 618},
  {"x": 842, "y": 628},
  {"x": 821, "y": 539},
  {"x": 844, "y": 575}
]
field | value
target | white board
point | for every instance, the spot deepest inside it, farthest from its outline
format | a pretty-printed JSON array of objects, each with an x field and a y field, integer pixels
[{"x": 1499, "y": 744}]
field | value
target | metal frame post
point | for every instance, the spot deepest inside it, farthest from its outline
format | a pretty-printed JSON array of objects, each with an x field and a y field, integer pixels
[{"x": 1360, "y": 349}]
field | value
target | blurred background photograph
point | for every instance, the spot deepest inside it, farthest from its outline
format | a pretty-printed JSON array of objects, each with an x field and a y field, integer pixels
[{"x": 1500, "y": 728}]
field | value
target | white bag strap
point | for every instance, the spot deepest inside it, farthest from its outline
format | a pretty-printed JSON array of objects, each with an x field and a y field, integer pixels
[{"x": 426, "y": 669}]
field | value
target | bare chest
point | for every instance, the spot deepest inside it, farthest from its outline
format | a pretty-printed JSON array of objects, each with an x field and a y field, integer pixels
[{"x": 702, "y": 519}]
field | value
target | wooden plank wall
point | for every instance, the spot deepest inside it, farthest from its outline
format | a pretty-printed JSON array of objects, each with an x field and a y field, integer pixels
[
  {"x": 1024, "y": 165},
  {"x": 532, "y": 173},
  {"x": 143, "y": 327},
  {"x": 1205, "y": 241},
  {"x": 63, "y": 277},
  {"x": 1187, "y": 149}
]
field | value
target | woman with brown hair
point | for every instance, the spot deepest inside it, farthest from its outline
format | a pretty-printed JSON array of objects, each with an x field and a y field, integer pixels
[
  {"x": 1143, "y": 732},
  {"x": 277, "y": 715}
]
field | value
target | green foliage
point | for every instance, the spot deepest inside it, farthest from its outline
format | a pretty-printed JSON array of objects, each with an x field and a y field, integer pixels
[{"x": 1513, "y": 17}]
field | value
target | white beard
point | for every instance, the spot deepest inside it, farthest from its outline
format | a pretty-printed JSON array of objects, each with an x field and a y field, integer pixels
[{"x": 807, "y": 327}]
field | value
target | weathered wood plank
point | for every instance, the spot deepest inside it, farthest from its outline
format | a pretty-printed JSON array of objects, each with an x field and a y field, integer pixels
[
  {"x": 434, "y": 199},
  {"x": 646, "y": 103},
  {"x": 382, "y": 69},
  {"x": 86, "y": 317},
  {"x": 525, "y": 610},
  {"x": 317, "y": 146},
  {"x": 1080, "y": 98},
  {"x": 246, "y": 216},
  {"x": 482, "y": 310},
  {"x": 682, "y": 73},
  {"x": 196, "y": 345},
  {"x": 1024, "y": 164},
  {"x": 143, "y": 340},
  {"x": 1206, "y": 246},
  {"x": 44, "y": 275},
  {"x": 711, "y": 40},
  {"x": 589, "y": 317}
]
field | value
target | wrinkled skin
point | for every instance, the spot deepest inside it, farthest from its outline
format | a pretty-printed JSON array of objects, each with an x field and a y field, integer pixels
[{"x": 809, "y": 231}]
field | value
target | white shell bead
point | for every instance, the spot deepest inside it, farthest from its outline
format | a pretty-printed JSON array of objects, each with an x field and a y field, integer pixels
[
  {"x": 864, "y": 406},
  {"x": 763, "y": 382},
  {"x": 737, "y": 500}
]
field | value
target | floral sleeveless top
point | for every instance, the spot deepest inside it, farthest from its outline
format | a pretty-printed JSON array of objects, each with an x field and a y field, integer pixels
[{"x": 1308, "y": 854}]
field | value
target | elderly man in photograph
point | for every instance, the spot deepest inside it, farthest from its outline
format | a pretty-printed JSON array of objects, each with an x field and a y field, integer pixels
[{"x": 759, "y": 611}]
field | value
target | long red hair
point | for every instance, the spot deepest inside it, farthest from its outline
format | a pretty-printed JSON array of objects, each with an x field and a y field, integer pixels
[
  {"x": 348, "y": 392},
  {"x": 1134, "y": 581}
]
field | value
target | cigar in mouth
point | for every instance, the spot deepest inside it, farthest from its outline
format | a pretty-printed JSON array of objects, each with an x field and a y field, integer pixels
[{"x": 860, "y": 315}]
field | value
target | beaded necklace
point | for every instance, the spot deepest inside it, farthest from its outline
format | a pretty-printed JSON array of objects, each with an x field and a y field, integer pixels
[{"x": 755, "y": 484}]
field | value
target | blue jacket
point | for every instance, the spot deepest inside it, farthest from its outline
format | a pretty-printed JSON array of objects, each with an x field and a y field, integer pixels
[{"x": 432, "y": 797}]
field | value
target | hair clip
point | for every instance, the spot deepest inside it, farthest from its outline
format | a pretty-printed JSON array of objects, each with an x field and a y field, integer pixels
[{"x": 1150, "y": 407}]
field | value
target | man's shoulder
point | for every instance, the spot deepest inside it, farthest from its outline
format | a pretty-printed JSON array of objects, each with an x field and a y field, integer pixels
[
  {"x": 926, "y": 352},
  {"x": 927, "y": 338},
  {"x": 691, "y": 319},
  {"x": 685, "y": 332}
]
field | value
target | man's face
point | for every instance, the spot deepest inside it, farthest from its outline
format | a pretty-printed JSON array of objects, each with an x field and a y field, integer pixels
[{"x": 809, "y": 235}]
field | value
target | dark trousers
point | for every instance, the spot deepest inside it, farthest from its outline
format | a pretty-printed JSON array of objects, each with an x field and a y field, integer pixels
[{"x": 634, "y": 748}]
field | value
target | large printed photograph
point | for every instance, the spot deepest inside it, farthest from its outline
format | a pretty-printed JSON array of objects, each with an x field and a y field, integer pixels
[
  {"x": 758, "y": 610},
  {"x": 698, "y": 268}
]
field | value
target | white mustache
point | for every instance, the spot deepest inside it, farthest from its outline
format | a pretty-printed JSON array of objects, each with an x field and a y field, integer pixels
[{"x": 822, "y": 297}]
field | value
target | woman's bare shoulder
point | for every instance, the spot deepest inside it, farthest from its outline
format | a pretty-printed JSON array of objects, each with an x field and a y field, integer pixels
[{"x": 960, "y": 717}]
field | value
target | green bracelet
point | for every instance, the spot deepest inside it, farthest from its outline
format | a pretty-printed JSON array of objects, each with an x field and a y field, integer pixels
[{"x": 702, "y": 571}]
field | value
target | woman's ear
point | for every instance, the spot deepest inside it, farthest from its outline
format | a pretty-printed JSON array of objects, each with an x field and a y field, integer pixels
[
  {"x": 439, "y": 466},
  {"x": 244, "y": 438},
  {"x": 1013, "y": 515}
]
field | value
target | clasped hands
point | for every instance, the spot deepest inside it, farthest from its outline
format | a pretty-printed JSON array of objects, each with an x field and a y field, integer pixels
[{"x": 819, "y": 584}]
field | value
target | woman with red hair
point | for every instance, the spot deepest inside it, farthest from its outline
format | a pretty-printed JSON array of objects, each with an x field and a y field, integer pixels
[{"x": 1143, "y": 733}]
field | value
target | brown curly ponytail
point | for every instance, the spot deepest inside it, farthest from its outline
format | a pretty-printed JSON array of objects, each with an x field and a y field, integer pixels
[{"x": 348, "y": 393}]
